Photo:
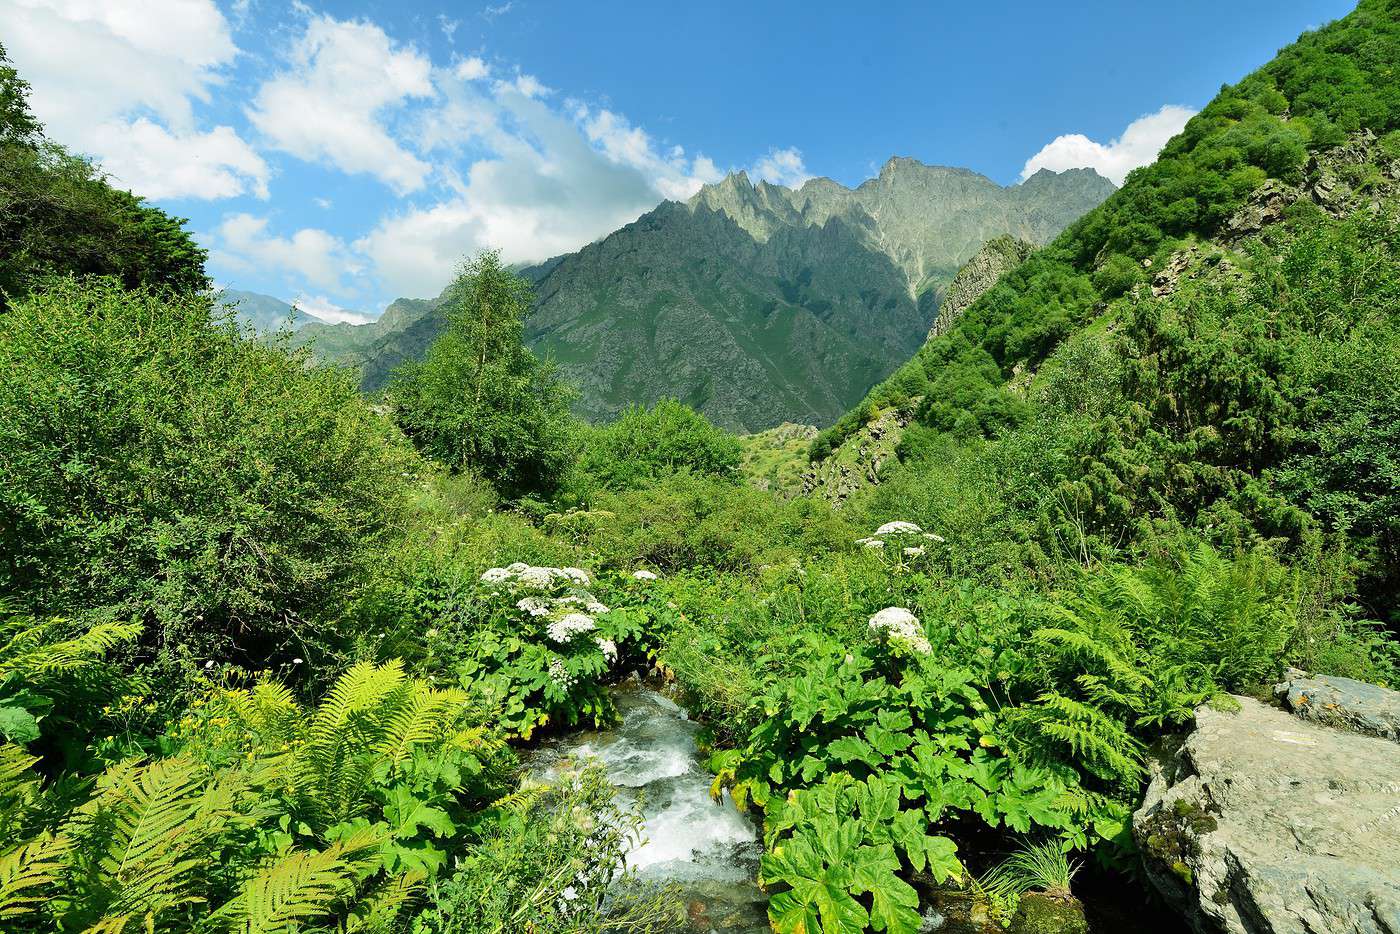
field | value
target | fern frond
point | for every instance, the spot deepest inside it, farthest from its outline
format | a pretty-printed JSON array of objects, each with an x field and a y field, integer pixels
[
  {"x": 30, "y": 654},
  {"x": 27, "y": 870},
  {"x": 301, "y": 886},
  {"x": 146, "y": 827},
  {"x": 1091, "y": 735},
  {"x": 378, "y": 913},
  {"x": 424, "y": 718},
  {"x": 522, "y": 800}
]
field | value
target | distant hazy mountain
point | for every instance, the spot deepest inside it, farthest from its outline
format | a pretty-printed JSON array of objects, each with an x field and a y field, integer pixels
[
  {"x": 757, "y": 304},
  {"x": 264, "y": 313}
]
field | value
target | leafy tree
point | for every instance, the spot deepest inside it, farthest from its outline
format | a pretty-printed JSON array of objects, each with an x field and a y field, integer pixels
[
  {"x": 17, "y": 123},
  {"x": 157, "y": 464},
  {"x": 481, "y": 400},
  {"x": 58, "y": 214},
  {"x": 647, "y": 443}
]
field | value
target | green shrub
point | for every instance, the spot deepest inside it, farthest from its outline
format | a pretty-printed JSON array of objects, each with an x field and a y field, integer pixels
[
  {"x": 158, "y": 465},
  {"x": 686, "y": 520},
  {"x": 59, "y": 216},
  {"x": 264, "y": 815},
  {"x": 644, "y": 444},
  {"x": 552, "y": 862}
]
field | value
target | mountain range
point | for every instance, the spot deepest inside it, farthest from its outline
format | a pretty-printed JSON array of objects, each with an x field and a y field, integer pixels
[{"x": 756, "y": 304}]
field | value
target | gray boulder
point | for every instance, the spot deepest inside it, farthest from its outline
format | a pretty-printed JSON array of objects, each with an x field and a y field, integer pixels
[
  {"x": 1264, "y": 823},
  {"x": 1343, "y": 703}
]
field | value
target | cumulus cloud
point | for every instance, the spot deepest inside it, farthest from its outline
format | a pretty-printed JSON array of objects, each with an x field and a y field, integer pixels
[
  {"x": 157, "y": 163},
  {"x": 123, "y": 88},
  {"x": 242, "y": 242},
  {"x": 472, "y": 69},
  {"x": 1138, "y": 146},
  {"x": 781, "y": 167},
  {"x": 329, "y": 105},
  {"x": 549, "y": 180}
]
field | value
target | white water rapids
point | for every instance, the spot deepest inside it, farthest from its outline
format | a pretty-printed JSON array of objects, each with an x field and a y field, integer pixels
[{"x": 706, "y": 847}]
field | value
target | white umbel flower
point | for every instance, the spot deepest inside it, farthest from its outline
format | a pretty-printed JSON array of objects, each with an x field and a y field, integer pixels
[
  {"x": 609, "y": 649},
  {"x": 496, "y": 576},
  {"x": 517, "y": 567},
  {"x": 577, "y": 575},
  {"x": 872, "y": 543},
  {"x": 563, "y": 629},
  {"x": 898, "y": 527},
  {"x": 896, "y": 626},
  {"x": 916, "y": 552},
  {"x": 643, "y": 575},
  {"x": 595, "y": 608},
  {"x": 534, "y": 606},
  {"x": 536, "y": 578},
  {"x": 559, "y": 674}
]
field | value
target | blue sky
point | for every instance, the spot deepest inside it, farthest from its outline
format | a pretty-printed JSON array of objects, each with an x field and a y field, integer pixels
[{"x": 345, "y": 153}]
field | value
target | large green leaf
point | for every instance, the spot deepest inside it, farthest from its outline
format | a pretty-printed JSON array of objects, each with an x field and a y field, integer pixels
[{"x": 894, "y": 903}]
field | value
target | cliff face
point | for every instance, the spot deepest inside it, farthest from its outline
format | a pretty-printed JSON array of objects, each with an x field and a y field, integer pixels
[{"x": 996, "y": 258}]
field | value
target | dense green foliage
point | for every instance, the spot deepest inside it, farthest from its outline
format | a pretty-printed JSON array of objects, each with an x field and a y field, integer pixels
[
  {"x": 58, "y": 215},
  {"x": 265, "y": 668},
  {"x": 158, "y": 465},
  {"x": 1331, "y": 82},
  {"x": 480, "y": 400},
  {"x": 645, "y": 444}
]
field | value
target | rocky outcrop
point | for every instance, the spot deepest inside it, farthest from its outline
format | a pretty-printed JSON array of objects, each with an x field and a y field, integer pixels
[
  {"x": 1344, "y": 703},
  {"x": 997, "y": 257},
  {"x": 1330, "y": 181},
  {"x": 1262, "y": 822},
  {"x": 856, "y": 464}
]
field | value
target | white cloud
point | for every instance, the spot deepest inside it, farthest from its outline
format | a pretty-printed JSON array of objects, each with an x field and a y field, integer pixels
[
  {"x": 448, "y": 26},
  {"x": 122, "y": 89},
  {"x": 328, "y": 105},
  {"x": 491, "y": 12},
  {"x": 323, "y": 203},
  {"x": 1138, "y": 146},
  {"x": 782, "y": 167},
  {"x": 154, "y": 162},
  {"x": 549, "y": 180},
  {"x": 472, "y": 69},
  {"x": 671, "y": 174},
  {"x": 242, "y": 242},
  {"x": 322, "y": 308}
]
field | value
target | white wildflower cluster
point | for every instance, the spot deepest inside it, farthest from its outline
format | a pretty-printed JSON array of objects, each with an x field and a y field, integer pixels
[
  {"x": 560, "y": 674},
  {"x": 521, "y": 576},
  {"x": 561, "y": 631},
  {"x": 643, "y": 575},
  {"x": 897, "y": 627},
  {"x": 911, "y": 540},
  {"x": 535, "y": 606},
  {"x": 558, "y": 598}
]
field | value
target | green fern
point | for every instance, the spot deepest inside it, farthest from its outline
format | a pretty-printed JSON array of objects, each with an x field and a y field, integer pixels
[
  {"x": 145, "y": 835},
  {"x": 27, "y": 872},
  {"x": 301, "y": 886}
]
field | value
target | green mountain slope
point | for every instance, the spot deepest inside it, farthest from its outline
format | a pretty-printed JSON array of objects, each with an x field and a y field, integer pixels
[
  {"x": 756, "y": 304},
  {"x": 1211, "y": 353},
  {"x": 1332, "y": 82}
]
